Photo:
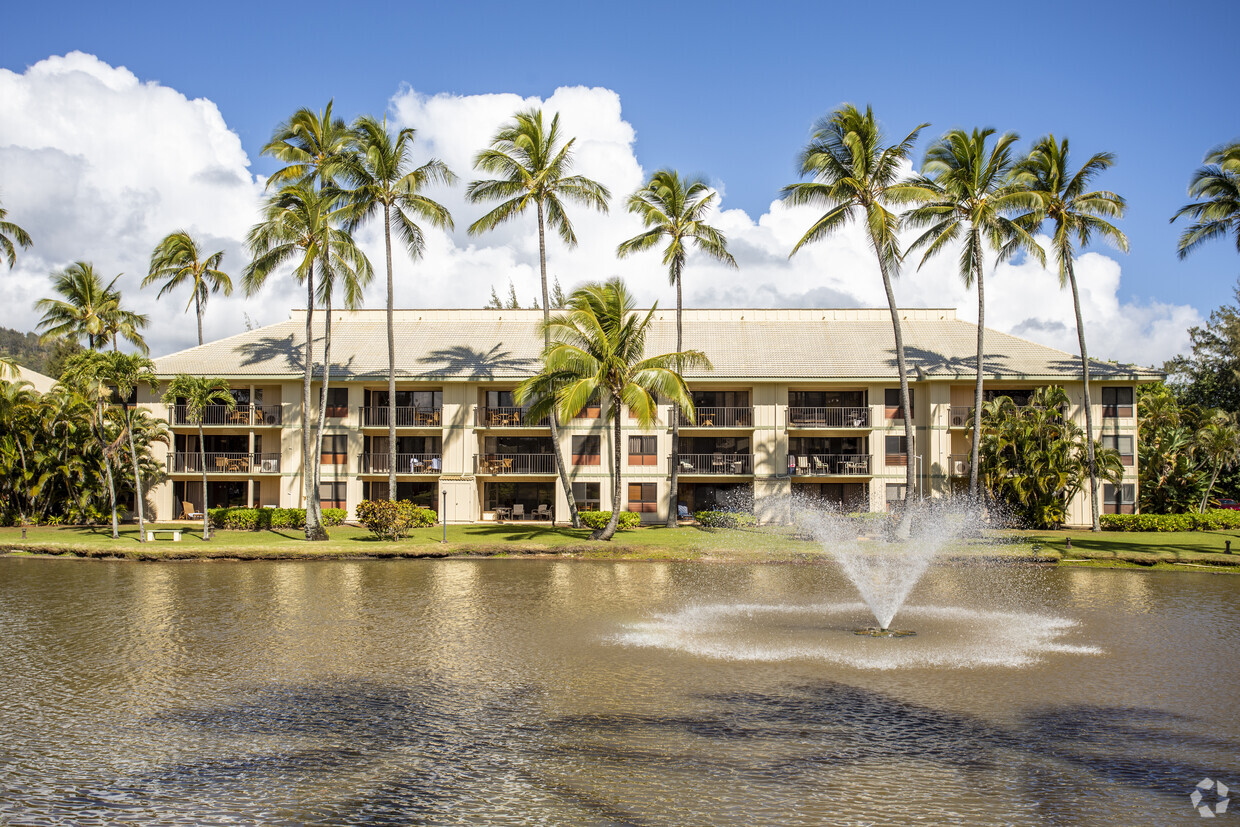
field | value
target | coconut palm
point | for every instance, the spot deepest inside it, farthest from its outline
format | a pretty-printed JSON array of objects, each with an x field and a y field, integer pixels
[
  {"x": 1217, "y": 212},
  {"x": 11, "y": 234},
  {"x": 196, "y": 393},
  {"x": 21, "y": 479},
  {"x": 1219, "y": 441},
  {"x": 125, "y": 372},
  {"x": 178, "y": 261},
  {"x": 598, "y": 347},
  {"x": 967, "y": 194},
  {"x": 87, "y": 308},
  {"x": 384, "y": 180},
  {"x": 675, "y": 209},
  {"x": 856, "y": 177},
  {"x": 316, "y": 148},
  {"x": 533, "y": 163},
  {"x": 301, "y": 227},
  {"x": 86, "y": 374},
  {"x": 1079, "y": 216}
]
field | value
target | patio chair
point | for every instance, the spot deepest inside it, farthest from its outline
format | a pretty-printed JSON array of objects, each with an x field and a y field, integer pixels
[
  {"x": 820, "y": 466},
  {"x": 682, "y": 511},
  {"x": 221, "y": 463},
  {"x": 685, "y": 465},
  {"x": 716, "y": 461},
  {"x": 518, "y": 511},
  {"x": 802, "y": 464},
  {"x": 188, "y": 512},
  {"x": 543, "y": 512}
]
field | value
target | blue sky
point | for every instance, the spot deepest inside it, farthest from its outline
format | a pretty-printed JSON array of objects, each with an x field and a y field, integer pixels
[{"x": 729, "y": 90}]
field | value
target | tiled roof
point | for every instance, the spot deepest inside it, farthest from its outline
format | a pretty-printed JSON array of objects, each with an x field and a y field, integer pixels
[{"x": 505, "y": 345}]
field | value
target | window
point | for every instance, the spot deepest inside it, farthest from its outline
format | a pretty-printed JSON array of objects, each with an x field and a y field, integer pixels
[
  {"x": 643, "y": 497},
  {"x": 1116, "y": 403},
  {"x": 891, "y": 402},
  {"x": 895, "y": 495},
  {"x": 592, "y": 410},
  {"x": 337, "y": 402},
  {"x": 587, "y": 496},
  {"x": 642, "y": 450},
  {"x": 896, "y": 448},
  {"x": 500, "y": 399},
  {"x": 586, "y": 450},
  {"x": 1119, "y": 499},
  {"x": 1122, "y": 444},
  {"x": 332, "y": 495},
  {"x": 335, "y": 449}
]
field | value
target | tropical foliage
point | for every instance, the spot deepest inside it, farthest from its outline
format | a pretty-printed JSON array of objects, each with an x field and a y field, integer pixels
[
  {"x": 1034, "y": 458},
  {"x": 196, "y": 393},
  {"x": 178, "y": 261},
  {"x": 89, "y": 309},
  {"x": 1216, "y": 212},
  {"x": 10, "y": 235}
]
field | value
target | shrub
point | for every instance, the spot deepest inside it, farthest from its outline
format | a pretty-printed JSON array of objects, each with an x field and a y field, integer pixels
[
  {"x": 1218, "y": 519},
  {"x": 725, "y": 519},
  {"x": 258, "y": 519},
  {"x": 393, "y": 520},
  {"x": 598, "y": 519}
]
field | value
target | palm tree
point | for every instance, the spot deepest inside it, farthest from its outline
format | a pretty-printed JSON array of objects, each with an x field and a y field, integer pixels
[
  {"x": 383, "y": 180},
  {"x": 10, "y": 233},
  {"x": 533, "y": 167},
  {"x": 598, "y": 346},
  {"x": 854, "y": 175},
  {"x": 1219, "y": 440},
  {"x": 177, "y": 261},
  {"x": 675, "y": 208},
  {"x": 20, "y": 419},
  {"x": 88, "y": 308},
  {"x": 1217, "y": 213},
  {"x": 966, "y": 192},
  {"x": 125, "y": 372},
  {"x": 301, "y": 226},
  {"x": 1078, "y": 216},
  {"x": 196, "y": 393},
  {"x": 86, "y": 373}
]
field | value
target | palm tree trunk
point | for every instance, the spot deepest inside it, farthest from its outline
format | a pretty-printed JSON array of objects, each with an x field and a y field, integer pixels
[
  {"x": 673, "y": 498},
  {"x": 905, "y": 408},
  {"x": 1089, "y": 406},
  {"x": 554, "y": 417},
  {"x": 307, "y": 474},
  {"x": 391, "y": 336},
  {"x": 107, "y": 467},
  {"x": 202, "y": 460},
  {"x": 320, "y": 529},
  {"x": 977, "y": 391},
  {"x": 198, "y": 313},
  {"x": 137, "y": 477},
  {"x": 609, "y": 530},
  {"x": 1210, "y": 488}
]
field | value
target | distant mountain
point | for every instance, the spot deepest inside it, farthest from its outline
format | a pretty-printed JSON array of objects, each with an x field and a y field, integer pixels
[{"x": 26, "y": 350}]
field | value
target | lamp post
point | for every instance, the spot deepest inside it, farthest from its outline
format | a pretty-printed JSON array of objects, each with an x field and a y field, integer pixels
[{"x": 444, "y": 512}]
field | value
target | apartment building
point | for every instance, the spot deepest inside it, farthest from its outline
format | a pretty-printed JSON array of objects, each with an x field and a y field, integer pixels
[{"x": 798, "y": 401}]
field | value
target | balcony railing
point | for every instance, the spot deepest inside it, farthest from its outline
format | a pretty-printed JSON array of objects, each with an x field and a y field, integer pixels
[
  {"x": 720, "y": 418},
  {"x": 958, "y": 465},
  {"x": 405, "y": 463},
  {"x": 831, "y": 465},
  {"x": 227, "y": 462},
  {"x": 715, "y": 463},
  {"x": 799, "y": 417},
  {"x": 507, "y": 418},
  {"x": 514, "y": 463},
  {"x": 242, "y": 416},
  {"x": 377, "y": 417}
]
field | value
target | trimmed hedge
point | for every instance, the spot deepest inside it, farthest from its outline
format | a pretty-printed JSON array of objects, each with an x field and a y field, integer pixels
[
  {"x": 725, "y": 519},
  {"x": 598, "y": 519},
  {"x": 259, "y": 519},
  {"x": 394, "y": 520},
  {"x": 1217, "y": 519}
]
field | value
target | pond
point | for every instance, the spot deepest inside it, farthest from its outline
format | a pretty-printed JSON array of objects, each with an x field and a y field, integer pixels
[{"x": 570, "y": 692}]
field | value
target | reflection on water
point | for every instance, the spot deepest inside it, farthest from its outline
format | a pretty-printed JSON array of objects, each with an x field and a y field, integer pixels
[{"x": 505, "y": 692}]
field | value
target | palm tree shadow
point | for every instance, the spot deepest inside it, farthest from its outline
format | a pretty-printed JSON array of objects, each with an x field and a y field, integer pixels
[{"x": 462, "y": 361}]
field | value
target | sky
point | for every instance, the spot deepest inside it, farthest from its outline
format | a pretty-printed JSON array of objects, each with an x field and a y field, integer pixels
[{"x": 119, "y": 124}]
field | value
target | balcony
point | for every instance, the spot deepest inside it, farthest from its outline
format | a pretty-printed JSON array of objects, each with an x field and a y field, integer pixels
[
  {"x": 716, "y": 464},
  {"x": 405, "y": 463},
  {"x": 832, "y": 465},
  {"x": 224, "y": 463},
  {"x": 242, "y": 416},
  {"x": 719, "y": 418},
  {"x": 507, "y": 418},
  {"x": 828, "y": 417},
  {"x": 377, "y": 417},
  {"x": 514, "y": 463}
]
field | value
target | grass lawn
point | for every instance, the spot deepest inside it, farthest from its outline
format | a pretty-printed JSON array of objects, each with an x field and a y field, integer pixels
[{"x": 1188, "y": 551}]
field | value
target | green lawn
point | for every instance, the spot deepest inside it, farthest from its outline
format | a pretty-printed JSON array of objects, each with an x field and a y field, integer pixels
[{"x": 1184, "y": 550}]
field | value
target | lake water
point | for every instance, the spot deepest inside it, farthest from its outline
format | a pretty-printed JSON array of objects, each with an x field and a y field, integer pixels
[{"x": 567, "y": 692}]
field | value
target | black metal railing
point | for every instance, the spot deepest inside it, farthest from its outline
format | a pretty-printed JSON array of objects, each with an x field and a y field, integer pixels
[
  {"x": 377, "y": 417},
  {"x": 242, "y": 416},
  {"x": 514, "y": 463},
  {"x": 830, "y": 465},
  {"x": 405, "y": 463},
  {"x": 719, "y": 418},
  {"x": 508, "y": 417},
  {"x": 801, "y": 417},
  {"x": 224, "y": 462},
  {"x": 715, "y": 463}
]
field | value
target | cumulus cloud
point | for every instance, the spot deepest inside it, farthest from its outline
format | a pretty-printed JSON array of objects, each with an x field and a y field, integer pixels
[{"x": 99, "y": 165}]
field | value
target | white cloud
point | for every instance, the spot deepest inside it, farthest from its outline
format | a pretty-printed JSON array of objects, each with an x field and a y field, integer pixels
[{"x": 98, "y": 165}]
